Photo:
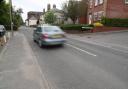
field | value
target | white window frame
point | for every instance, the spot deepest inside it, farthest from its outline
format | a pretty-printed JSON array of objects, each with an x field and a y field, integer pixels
[
  {"x": 91, "y": 3},
  {"x": 95, "y": 16},
  {"x": 101, "y": 1},
  {"x": 100, "y": 15},
  {"x": 96, "y": 2},
  {"x": 126, "y": 1}
]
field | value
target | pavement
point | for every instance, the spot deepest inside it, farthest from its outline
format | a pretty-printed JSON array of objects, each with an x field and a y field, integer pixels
[
  {"x": 18, "y": 66},
  {"x": 80, "y": 64}
]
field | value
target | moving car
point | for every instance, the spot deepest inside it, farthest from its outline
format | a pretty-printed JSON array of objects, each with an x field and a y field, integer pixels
[{"x": 49, "y": 35}]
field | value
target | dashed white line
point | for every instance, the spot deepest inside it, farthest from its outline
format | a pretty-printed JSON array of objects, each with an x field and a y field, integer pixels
[{"x": 81, "y": 50}]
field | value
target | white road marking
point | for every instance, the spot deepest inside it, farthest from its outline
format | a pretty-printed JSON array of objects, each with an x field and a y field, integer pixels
[
  {"x": 108, "y": 46},
  {"x": 81, "y": 50},
  {"x": 105, "y": 45}
]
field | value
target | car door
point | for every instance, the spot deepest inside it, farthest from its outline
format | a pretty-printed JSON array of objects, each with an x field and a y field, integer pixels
[{"x": 38, "y": 33}]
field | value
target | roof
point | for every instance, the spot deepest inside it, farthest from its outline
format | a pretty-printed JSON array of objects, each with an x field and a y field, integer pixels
[
  {"x": 33, "y": 18},
  {"x": 2, "y": 26},
  {"x": 35, "y": 14},
  {"x": 56, "y": 10}
]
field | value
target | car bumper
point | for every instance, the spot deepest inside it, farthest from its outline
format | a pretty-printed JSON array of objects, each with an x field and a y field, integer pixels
[{"x": 53, "y": 42}]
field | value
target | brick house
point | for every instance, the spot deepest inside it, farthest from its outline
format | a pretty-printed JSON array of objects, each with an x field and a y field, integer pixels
[{"x": 107, "y": 8}]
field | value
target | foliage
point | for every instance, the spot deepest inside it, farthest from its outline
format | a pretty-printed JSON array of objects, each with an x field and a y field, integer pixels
[
  {"x": 115, "y": 22},
  {"x": 74, "y": 9},
  {"x": 98, "y": 24},
  {"x": 5, "y": 16},
  {"x": 71, "y": 10},
  {"x": 75, "y": 27},
  {"x": 49, "y": 17}
]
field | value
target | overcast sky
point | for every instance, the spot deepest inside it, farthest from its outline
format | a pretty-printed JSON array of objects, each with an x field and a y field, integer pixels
[{"x": 35, "y": 5}]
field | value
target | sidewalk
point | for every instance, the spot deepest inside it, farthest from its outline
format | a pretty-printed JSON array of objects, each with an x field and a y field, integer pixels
[{"x": 19, "y": 68}]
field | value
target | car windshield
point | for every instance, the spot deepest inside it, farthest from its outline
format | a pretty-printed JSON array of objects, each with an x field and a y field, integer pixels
[{"x": 52, "y": 29}]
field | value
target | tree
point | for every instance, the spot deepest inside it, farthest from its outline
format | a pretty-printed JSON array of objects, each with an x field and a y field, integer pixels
[
  {"x": 74, "y": 9},
  {"x": 71, "y": 10},
  {"x": 1, "y": 1},
  {"x": 49, "y": 17},
  {"x": 5, "y": 15}
]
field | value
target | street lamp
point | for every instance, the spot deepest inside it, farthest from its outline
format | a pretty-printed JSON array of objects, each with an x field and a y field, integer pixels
[{"x": 11, "y": 22}]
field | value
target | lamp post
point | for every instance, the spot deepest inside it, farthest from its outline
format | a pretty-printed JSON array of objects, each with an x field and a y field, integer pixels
[{"x": 11, "y": 22}]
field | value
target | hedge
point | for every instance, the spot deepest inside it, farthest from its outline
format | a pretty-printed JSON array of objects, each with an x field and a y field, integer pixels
[
  {"x": 115, "y": 22},
  {"x": 8, "y": 27},
  {"x": 74, "y": 26}
]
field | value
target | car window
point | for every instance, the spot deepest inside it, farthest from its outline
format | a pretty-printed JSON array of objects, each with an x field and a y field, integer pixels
[
  {"x": 52, "y": 29},
  {"x": 2, "y": 28},
  {"x": 38, "y": 29}
]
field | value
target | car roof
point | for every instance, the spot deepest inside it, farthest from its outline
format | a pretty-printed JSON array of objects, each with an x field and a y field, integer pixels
[
  {"x": 2, "y": 26},
  {"x": 47, "y": 26}
]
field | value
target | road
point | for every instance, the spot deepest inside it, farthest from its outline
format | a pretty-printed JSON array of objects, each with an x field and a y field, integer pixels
[{"x": 79, "y": 65}]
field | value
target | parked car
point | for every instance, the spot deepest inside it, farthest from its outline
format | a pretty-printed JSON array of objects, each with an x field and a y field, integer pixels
[
  {"x": 2, "y": 30},
  {"x": 49, "y": 35}
]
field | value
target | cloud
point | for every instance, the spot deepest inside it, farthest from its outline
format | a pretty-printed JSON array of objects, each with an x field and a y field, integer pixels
[{"x": 35, "y": 5}]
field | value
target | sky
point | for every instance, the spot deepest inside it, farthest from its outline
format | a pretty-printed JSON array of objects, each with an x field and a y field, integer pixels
[{"x": 35, "y": 5}]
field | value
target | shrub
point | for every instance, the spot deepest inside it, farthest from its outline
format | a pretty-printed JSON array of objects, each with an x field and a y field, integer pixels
[
  {"x": 98, "y": 24},
  {"x": 115, "y": 22},
  {"x": 74, "y": 26}
]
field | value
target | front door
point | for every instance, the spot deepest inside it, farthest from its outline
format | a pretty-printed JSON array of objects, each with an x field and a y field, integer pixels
[{"x": 90, "y": 18}]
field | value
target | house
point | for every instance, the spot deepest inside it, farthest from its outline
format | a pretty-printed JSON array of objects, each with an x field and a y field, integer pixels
[
  {"x": 33, "y": 18},
  {"x": 107, "y": 8},
  {"x": 58, "y": 13}
]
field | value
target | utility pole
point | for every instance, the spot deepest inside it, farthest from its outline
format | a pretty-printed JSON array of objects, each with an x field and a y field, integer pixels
[{"x": 11, "y": 22}]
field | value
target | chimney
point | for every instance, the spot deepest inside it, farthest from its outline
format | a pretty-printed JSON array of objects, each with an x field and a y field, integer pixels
[
  {"x": 48, "y": 7},
  {"x": 43, "y": 10},
  {"x": 54, "y": 6}
]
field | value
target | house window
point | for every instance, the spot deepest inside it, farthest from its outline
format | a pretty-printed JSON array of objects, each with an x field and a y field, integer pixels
[
  {"x": 95, "y": 16},
  {"x": 101, "y": 1},
  {"x": 91, "y": 3},
  {"x": 96, "y": 2},
  {"x": 100, "y": 15},
  {"x": 126, "y": 1}
]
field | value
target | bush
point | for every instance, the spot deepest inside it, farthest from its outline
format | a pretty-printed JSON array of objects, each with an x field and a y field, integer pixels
[
  {"x": 98, "y": 24},
  {"x": 115, "y": 22},
  {"x": 8, "y": 27},
  {"x": 74, "y": 26}
]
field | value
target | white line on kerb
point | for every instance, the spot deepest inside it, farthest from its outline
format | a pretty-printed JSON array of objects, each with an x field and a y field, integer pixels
[{"x": 81, "y": 50}]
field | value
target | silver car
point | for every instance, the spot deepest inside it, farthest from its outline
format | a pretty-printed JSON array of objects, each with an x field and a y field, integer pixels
[{"x": 49, "y": 35}]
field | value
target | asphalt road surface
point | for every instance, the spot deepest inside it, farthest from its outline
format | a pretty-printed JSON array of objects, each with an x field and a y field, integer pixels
[{"x": 79, "y": 65}]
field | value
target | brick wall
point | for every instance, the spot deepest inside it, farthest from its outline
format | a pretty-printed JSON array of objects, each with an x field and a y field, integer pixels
[
  {"x": 111, "y": 8},
  {"x": 117, "y": 9},
  {"x": 83, "y": 20}
]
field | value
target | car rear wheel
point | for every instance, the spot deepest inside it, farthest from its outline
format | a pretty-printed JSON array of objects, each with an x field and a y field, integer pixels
[{"x": 34, "y": 40}]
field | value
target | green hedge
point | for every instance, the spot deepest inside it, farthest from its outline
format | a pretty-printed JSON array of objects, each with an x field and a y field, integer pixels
[
  {"x": 74, "y": 26},
  {"x": 115, "y": 22},
  {"x": 8, "y": 27}
]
